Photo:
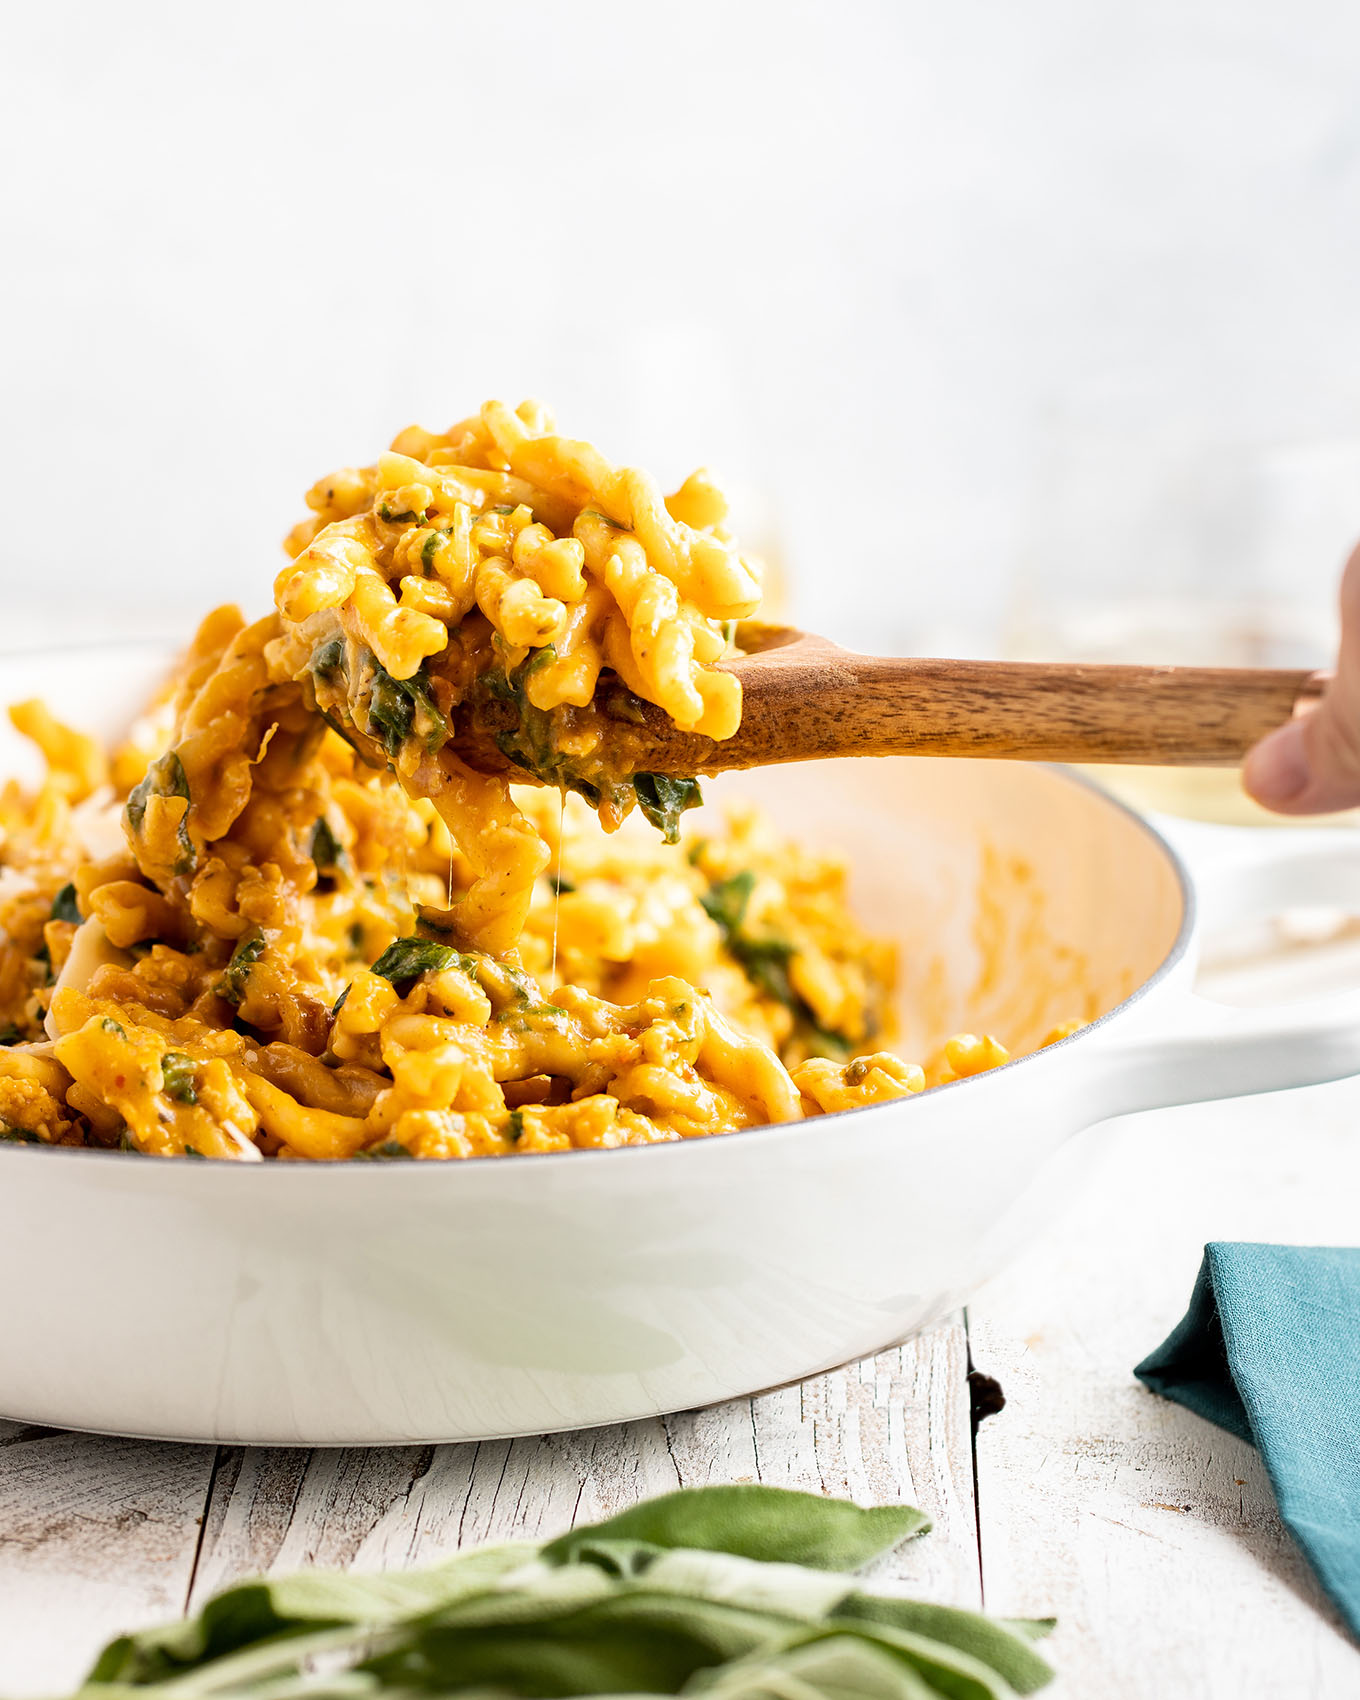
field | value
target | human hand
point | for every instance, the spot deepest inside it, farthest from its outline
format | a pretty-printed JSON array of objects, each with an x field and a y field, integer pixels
[{"x": 1312, "y": 765}]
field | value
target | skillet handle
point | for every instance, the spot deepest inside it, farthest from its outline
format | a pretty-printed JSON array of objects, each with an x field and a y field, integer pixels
[{"x": 1199, "y": 1049}]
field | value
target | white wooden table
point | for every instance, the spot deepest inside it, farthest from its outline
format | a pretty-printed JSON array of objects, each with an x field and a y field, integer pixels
[{"x": 1149, "y": 1533}]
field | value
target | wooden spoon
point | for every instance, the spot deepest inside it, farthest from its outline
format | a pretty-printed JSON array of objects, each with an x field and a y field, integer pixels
[{"x": 805, "y": 699}]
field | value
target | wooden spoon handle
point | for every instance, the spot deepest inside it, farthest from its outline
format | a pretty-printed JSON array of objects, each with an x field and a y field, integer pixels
[
  {"x": 827, "y": 702},
  {"x": 1054, "y": 711}
]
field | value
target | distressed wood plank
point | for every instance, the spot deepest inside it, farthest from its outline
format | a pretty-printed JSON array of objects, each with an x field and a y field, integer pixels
[
  {"x": 892, "y": 1428},
  {"x": 96, "y": 1536},
  {"x": 1153, "y": 1535}
]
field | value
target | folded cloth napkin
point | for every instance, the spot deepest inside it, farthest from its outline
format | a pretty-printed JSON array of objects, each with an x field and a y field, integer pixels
[{"x": 1270, "y": 1350}]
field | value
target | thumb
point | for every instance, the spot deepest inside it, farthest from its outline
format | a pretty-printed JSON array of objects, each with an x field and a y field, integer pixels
[{"x": 1312, "y": 765}]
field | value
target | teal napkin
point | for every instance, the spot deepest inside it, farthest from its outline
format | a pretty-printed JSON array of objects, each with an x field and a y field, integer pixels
[{"x": 1270, "y": 1350}]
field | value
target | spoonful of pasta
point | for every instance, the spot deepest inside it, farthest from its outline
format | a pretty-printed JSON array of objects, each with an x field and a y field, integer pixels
[{"x": 499, "y": 602}]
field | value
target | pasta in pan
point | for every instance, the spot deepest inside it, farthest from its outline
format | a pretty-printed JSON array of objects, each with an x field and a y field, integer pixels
[{"x": 287, "y": 920}]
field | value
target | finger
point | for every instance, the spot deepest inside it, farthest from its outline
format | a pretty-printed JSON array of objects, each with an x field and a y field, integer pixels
[{"x": 1312, "y": 765}]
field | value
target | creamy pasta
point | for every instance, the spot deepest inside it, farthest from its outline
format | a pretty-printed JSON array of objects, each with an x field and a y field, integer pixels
[{"x": 287, "y": 920}]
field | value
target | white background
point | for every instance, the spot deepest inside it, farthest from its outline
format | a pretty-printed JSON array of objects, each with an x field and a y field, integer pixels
[{"x": 1008, "y": 321}]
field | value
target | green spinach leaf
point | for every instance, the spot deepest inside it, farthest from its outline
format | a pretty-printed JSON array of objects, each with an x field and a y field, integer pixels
[
  {"x": 328, "y": 658},
  {"x": 764, "y": 958},
  {"x": 399, "y": 709},
  {"x": 178, "y": 1075},
  {"x": 232, "y": 985},
  {"x": 726, "y": 900},
  {"x": 325, "y": 849},
  {"x": 405, "y": 960},
  {"x": 164, "y": 778},
  {"x": 65, "y": 907},
  {"x": 663, "y": 798}
]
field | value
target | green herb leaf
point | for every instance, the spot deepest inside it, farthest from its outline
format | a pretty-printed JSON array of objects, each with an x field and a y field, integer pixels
[
  {"x": 834, "y": 1667},
  {"x": 232, "y": 985},
  {"x": 405, "y": 960},
  {"x": 10, "y": 1034},
  {"x": 399, "y": 709},
  {"x": 178, "y": 1075},
  {"x": 773, "y": 1524},
  {"x": 791, "y": 1590},
  {"x": 726, "y": 901},
  {"x": 529, "y": 740},
  {"x": 628, "y": 1641},
  {"x": 765, "y": 958},
  {"x": 997, "y": 1645},
  {"x": 766, "y": 961},
  {"x": 10, "y": 1135},
  {"x": 328, "y": 658},
  {"x": 659, "y": 1600},
  {"x": 65, "y": 907},
  {"x": 325, "y": 848},
  {"x": 256, "y": 1612},
  {"x": 390, "y": 1151},
  {"x": 164, "y": 778},
  {"x": 1032, "y": 1628},
  {"x": 663, "y": 798}
]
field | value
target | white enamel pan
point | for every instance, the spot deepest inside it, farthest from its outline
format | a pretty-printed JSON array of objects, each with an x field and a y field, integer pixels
[{"x": 371, "y": 1304}]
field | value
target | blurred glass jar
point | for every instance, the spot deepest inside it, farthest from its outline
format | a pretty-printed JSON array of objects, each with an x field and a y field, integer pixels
[{"x": 1145, "y": 550}]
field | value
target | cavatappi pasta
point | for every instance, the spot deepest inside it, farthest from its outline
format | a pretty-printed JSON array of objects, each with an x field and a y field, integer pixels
[{"x": 285, "y": 920}]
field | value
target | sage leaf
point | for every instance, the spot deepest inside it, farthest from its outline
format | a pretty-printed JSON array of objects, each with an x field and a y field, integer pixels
[
  {"x": 996, "y": 1644},
  {"x": 842, "y": 1667},
  {"x": 792, "y": 1590},
  {"x": 1032, "y": 1628},
  {"x": 939, "y": 1668},
  {"x": 735, "y": 1593},
  {"x": 291, "y": 1605},
  {"x": 622, "y": 1558},
  {"x": 777, "y": 1525},
  {"x": 629, "y": 1639}
]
